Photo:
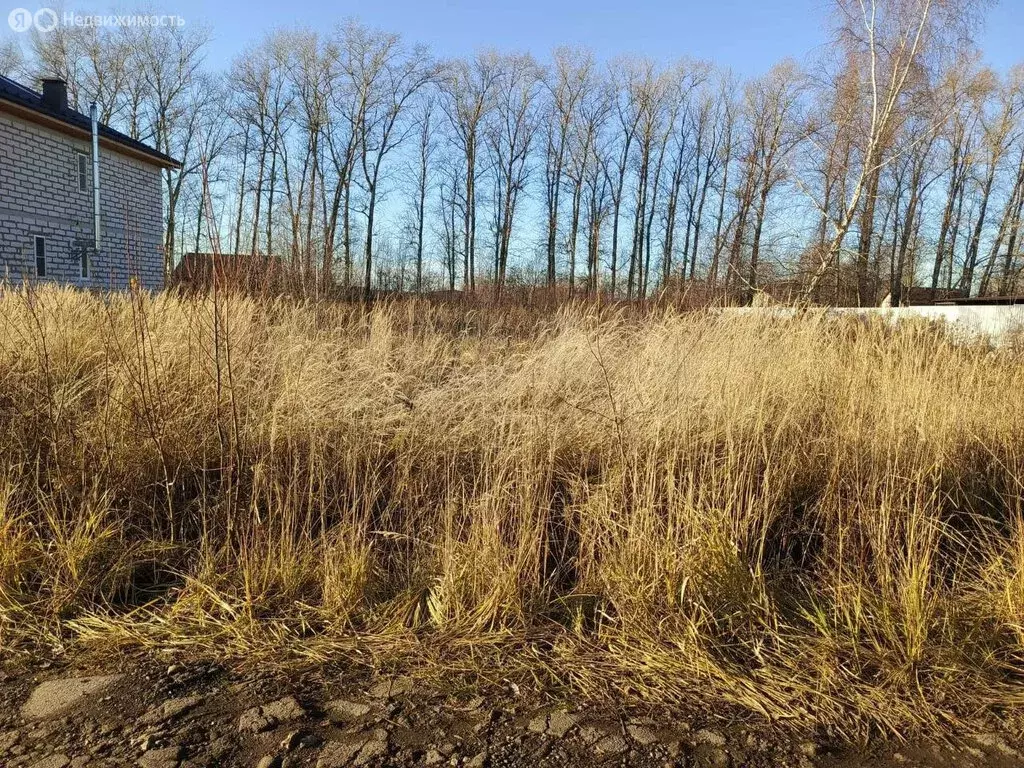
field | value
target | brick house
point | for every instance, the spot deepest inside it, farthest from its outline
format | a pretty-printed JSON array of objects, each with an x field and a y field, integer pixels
[{"x": 47, "y": 216}]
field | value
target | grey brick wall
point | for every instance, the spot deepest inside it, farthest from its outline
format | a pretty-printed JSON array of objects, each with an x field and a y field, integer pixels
[{"x": 40, "y": 195}]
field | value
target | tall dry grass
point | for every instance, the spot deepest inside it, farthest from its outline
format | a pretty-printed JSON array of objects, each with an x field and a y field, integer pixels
[{"x": 806, "y": 518}]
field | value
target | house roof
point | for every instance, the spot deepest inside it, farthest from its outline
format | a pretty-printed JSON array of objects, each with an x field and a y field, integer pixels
[{"x": 30, "y": 105}]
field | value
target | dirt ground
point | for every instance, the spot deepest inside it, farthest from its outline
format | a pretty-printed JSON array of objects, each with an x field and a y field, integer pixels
[{"x": 191, "y": 715}]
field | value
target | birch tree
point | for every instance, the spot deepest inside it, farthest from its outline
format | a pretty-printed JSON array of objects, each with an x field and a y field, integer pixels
[{"x": 888, "y": 41}]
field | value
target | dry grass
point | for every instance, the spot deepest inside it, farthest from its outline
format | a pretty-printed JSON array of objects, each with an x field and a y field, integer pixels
[{"x": 805, "y": 518}]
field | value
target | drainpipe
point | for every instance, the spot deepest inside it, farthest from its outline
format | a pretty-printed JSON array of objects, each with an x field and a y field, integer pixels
[{"x": 94, "y": 112}]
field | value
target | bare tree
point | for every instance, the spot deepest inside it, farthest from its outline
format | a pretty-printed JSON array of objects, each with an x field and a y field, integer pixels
[
  {"x": 468, "y": 88},
  {"x": 695, "y": 147},
  {"x": 649, "y": 95},
  {"x": 826, "y": 167},
  {"x": 394, "y": 75},
  {"x": 567, "y": 82},
  {"x": 726, "y": 153},
  {"x": 425, "y": 148},
  {"x": 772, "y": 102},
  {"x": 1010, "y": 234},
  {"x": 264, "y": 101},
  {"x": 12, "y": 60},
  {"x": 1000, "y": 128},
  {"x": 585, "y": 173},
  {"x": 310, "y": 71},
  {"x": 888, "y": 41},
  {"x": 177, "y": 101},
  {"x": 628, "y": 112},
  {"x": 510, "y": 133},
  {"x": 958, "y": 132},
  {"x": 917, "y": 165},
  {"x": 451, "y": 205}
]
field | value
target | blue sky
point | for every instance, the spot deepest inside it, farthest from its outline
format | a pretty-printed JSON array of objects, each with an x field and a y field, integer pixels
[{"x": 746, "y": 35}]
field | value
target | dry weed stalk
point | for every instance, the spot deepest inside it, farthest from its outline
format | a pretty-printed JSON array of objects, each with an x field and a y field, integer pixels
[{"x": 807, "y": 518}]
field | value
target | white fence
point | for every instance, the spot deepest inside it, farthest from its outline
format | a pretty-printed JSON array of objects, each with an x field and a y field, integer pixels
[{"x": 998, "y": 323}]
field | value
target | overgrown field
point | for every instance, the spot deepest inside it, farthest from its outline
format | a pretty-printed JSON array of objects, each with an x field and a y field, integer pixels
[{"x": 804, "y": 518}]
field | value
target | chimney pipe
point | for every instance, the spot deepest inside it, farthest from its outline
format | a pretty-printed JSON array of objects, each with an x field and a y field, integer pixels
[
  {"x": 55, "y": 93},
  {"x": 94, "y": 114}
]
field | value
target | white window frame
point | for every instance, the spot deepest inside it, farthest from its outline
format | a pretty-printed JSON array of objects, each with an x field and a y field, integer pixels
[
  {"x": 82, "y": 171},
  {"x": 36, "y": 240}
]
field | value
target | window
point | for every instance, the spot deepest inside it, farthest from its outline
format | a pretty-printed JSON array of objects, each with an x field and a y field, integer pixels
[
  {"x": 40, "y": 256},
  {"x": 83, "y": 171},
  {"x": 85, "y": 263}
]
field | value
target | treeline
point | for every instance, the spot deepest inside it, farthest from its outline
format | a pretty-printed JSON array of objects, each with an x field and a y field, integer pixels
[{"x": 362, "y": 161}]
